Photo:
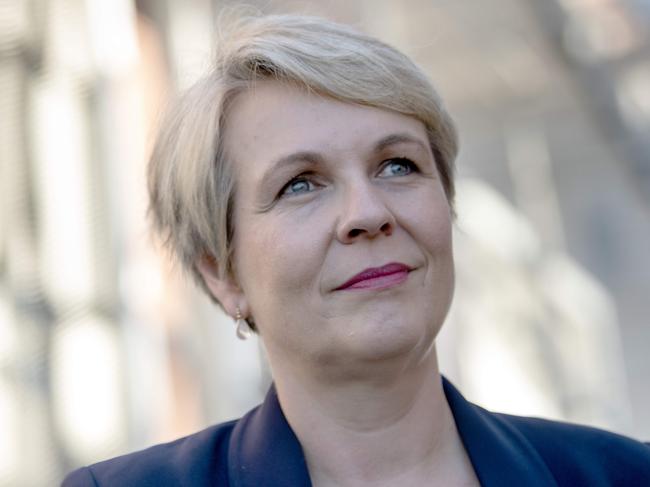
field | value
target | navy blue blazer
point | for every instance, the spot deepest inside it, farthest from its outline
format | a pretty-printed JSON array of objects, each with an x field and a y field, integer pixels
[{"x": 260, "y": 449}]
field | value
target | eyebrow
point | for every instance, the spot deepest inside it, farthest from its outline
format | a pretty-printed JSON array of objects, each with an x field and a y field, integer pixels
[
  {"x": 314, "y": 158},
  {"x": 394, "y": 139}
]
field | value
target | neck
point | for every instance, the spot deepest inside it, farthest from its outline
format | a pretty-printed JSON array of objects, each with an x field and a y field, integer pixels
[{"x": 375, "y": 431}]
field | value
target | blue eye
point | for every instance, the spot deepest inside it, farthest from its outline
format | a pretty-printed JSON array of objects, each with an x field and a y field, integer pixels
[
  {"x": 398, "y": 166},
  {"x": 297, "y": 185}
]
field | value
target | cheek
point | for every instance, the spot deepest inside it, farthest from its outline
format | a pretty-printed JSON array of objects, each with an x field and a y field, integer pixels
[
  {"x": 277, "y": 256},
  {"x": 427, "y": 217},
  {"x": 439, "y": 236}
]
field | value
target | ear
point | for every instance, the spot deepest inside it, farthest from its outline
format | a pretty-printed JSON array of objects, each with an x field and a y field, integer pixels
[{"x": 225, "y": 289}]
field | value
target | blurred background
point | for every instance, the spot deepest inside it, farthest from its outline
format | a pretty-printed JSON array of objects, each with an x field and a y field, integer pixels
[{"x": 106, "y": 348}]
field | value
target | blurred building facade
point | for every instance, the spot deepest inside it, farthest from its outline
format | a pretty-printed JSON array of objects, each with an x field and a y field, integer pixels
[{"x": 106, "y": 348}]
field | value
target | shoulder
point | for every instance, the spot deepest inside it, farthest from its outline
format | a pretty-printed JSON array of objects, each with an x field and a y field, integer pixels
[
  {"x": 198, "y": 459},
  {"x": 582, "y": 455}
]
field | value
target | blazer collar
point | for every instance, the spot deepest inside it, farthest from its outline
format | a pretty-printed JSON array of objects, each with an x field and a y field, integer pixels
[
  {"x": 499, "y": 453},
  {"x": 264, "y": 451}
]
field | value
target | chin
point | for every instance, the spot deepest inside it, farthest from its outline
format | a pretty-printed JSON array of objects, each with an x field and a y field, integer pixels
[{"x": 388, "y": 341}]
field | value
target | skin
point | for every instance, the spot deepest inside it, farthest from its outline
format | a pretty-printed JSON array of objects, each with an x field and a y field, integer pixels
[{"x": 317, "y": 202}]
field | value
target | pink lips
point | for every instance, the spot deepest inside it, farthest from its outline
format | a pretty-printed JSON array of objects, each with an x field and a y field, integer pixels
[{"x": 378, "y": 277}]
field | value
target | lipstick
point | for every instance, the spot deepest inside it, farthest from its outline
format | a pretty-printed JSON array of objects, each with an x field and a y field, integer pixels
[{"x": 377, "y": 278}]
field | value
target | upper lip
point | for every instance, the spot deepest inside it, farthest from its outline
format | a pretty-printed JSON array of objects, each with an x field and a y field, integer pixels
[{"x": 373, "y": 272}]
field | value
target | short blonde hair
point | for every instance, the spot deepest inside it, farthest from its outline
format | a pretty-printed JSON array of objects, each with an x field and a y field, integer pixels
[{"x": 191, "y": 186}]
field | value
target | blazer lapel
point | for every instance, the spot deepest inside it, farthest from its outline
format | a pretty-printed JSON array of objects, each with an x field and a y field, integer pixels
[
  {"x": 499, "y": 453},
  {"x": 264, "y": 451}
]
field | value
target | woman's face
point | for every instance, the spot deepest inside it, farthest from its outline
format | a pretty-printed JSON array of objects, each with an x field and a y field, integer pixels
[{"x": 325, "y": 191}]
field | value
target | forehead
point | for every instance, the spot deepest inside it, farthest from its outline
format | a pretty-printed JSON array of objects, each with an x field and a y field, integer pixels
[{"x": 273, "y": 120}]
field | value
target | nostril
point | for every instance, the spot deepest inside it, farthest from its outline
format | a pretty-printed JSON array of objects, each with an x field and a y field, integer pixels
[{"x": 386, "y": 229}]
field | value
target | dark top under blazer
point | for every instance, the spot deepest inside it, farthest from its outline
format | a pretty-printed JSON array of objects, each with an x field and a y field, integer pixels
[{"x": 260, "y": 449}]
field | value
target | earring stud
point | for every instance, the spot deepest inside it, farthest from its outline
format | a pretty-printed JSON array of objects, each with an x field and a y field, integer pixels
[{"x": 243, "y": 329}]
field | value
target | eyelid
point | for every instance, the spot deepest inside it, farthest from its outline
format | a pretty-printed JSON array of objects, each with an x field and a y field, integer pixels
[
  {"x": 307, "y": 175},
  {"x": 405, "y": 160}
]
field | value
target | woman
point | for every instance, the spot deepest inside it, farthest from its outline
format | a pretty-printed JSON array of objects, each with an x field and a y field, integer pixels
[{"x": 307, "y": 183}]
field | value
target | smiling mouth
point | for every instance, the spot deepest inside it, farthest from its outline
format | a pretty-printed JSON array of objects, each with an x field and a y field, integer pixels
[{"x": 377, "y": 278}]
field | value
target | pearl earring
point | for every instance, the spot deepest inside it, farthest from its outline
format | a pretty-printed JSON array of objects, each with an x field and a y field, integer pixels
[{"x": 243, "y": 328}]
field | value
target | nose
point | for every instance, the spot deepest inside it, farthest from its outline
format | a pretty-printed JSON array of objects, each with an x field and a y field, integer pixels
[{"x": 364, "y": 215}]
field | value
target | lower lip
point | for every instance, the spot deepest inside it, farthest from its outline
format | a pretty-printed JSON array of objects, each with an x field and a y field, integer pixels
[{"x": 380, "y": 282}]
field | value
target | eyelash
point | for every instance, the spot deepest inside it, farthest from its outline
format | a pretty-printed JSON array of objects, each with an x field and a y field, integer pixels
[
  {"x": 301, "y": 177},
  {"x": 306, "y": 177},
  {"x": 407, "y": 162}
]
